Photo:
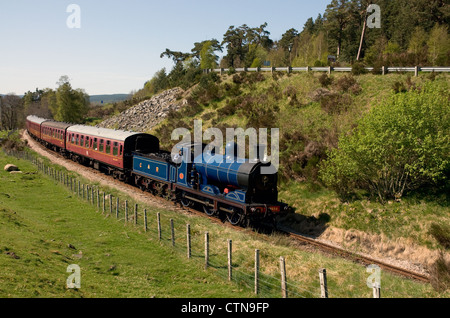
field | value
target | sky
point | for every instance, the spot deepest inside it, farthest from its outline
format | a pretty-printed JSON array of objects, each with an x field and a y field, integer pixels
[{"x": 118, "y": 44}]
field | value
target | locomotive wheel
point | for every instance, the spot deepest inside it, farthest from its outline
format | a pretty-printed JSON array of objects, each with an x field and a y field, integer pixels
[
  {"x": 236, "y": 217},
  {"x": 209, "y": 210},
  {"x": 186, "y": 202}
]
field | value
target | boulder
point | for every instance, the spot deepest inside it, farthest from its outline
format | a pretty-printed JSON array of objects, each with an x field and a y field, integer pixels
[{"x": 11, "y": 167}]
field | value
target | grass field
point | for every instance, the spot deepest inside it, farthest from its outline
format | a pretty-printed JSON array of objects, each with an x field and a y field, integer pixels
[{"x": 45, "y": 227}]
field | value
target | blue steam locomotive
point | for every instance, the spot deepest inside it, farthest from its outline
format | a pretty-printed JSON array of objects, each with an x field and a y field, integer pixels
[{"x": 236, "y": 189}]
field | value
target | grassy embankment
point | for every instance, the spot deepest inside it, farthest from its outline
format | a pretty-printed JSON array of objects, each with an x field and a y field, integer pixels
[
  {"x": 45, "y": 227},
  {"x": 311, "y": 112}
]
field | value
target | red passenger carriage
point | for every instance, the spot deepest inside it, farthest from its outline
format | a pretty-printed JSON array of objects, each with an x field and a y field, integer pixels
[
  {"x": 107, "y": 149},
  {"x": 34, "y": 125},
  {"x": 53, "y": 134}
]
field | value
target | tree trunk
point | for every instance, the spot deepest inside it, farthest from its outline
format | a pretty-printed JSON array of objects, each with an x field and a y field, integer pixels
[{"x": 362, "y": 39}]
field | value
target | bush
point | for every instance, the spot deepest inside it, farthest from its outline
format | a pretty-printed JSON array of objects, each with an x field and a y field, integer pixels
[
  {"x": 440, "y": 274},
  {"x": 348, "y": 83},
  {"x": 325, "y": 80},
  {"x": 335, "y": 103},
  {"x": 358, "y": 68},
  {"x": 399, "y": 145},
  {"x": 441, "y": 232}
]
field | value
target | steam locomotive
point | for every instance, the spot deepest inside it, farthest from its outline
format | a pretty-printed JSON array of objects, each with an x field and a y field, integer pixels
[{"x": 235, "y": 190}]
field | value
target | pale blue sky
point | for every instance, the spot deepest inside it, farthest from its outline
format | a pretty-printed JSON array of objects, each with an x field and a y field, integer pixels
[{"x": 118, "y": 47}]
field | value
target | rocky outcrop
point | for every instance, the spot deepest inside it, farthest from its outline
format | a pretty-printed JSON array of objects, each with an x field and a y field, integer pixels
[{"x": 148, "y": 113}]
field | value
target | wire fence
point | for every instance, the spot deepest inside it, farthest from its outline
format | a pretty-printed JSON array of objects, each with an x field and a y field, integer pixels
[{"x": 175, "y": 233}]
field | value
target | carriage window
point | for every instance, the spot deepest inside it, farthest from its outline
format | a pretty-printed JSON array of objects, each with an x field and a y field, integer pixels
[
  {"x": 87, "y": 142},
  {"x": 73, "y": 138},
  {"x": 121, "y": 148},
  {"x": 95, "y": 143},
  {"x": 108, "y": 146},
  {"x": 115, "y": 148},
  {"x": 81, "y": 140},
  {"x": 101, "y": 145},
  {"x": 77, "y": 139}
]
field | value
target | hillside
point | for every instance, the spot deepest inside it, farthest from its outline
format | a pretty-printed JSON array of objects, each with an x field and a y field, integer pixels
[
  {"x": 118, "y": 258},
  {"x": 312, "y": 110}
]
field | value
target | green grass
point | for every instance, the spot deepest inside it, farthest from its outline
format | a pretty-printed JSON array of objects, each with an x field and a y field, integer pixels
[
  {"x": 45, "y": 227},
  {"x": 38, "y": 221},
  {"x": 410, "y": 218}
]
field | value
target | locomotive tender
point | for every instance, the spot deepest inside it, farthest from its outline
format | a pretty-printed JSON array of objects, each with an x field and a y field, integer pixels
[{"x": 233, "y": 189}]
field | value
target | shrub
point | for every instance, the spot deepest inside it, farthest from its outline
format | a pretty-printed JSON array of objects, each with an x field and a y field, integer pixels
[
  {"x": 441, "y": 232},
  {"x": 399, "y": 145},
  {"x": 208, "y": 89},
  {"x": 325, "y": 80},
  {"x": 358, "y": 68},
  {"x": 440, "y": 274},
  {"x": 346, "y": 82},
  {"x": 335, "y": 103},
  {"x": 398, "y": 87}
]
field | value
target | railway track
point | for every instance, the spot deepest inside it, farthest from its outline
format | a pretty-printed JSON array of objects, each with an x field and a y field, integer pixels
[
  {"x": 333, "y": 250},
  {"x": 366, "y": 260},
  {"x": 322, "y": 246}
]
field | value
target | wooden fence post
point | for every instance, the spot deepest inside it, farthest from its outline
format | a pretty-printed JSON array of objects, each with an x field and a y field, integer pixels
[
  {"x": 126, "y": 211},
  {"x": 135, "y": 213},
  {"x": 117, "y": 208},
  {"x": 110, "y": 204},
  {"x": 173, "y": 232},
  {"x": 206, "y": 249},
  {"x": 104, "y": 202},
  {"x": 145, "y": 220},
  {"x": 323, "y": 283},
  {"x": 188, "y": 239},
  {"x": 158, "y": 219},
  {"x": 284, "y": 291},
  {"x": 256, "y": 271},
  {"x": 230, "y": 259}
]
